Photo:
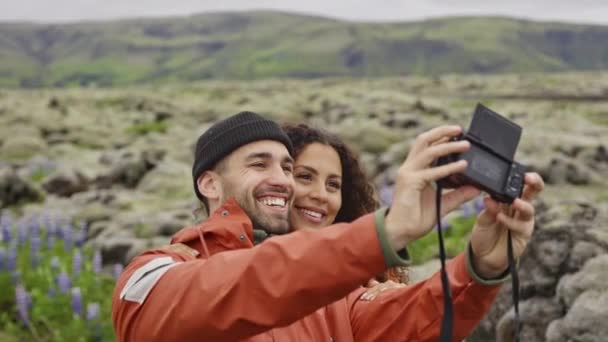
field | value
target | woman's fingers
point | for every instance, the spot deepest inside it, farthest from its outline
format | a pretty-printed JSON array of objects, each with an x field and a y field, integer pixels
[
  {"x": 516, "y": 225},
  {"x": 372, "y": 282},
  {"x": 456, "y": 198},
  {"x": 491, "y": 205},
  {"x": 534, "y": 185},
  {"x": 381, "y": 287},
  {"x": 524, "y": 209}
]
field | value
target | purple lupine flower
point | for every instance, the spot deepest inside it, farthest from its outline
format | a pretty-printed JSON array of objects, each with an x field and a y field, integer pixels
[
  {"x": 68, "y": 236},
  {"x": 11, "y": 260},
  {"x": 21, "y": 298},
  {"x": 63, "y": 281},
  {"x": 46, "y": 221},
  {"x": 76, "y": 263},
  {"x": 50, "y": 239},
  {"x": 467, "y": 210},
  {"x": 6, "y": 233},
  {"x": 21, "y": 232},
  {"x": 6, "y": 224},
  {"x": 2, "y": 257},
  {"x": 97, "y": 262},
  {"x": 445, "y": 225},
  {"x": 34, "y": 259},
  {"x": 34, "y": 249},
  {"x": 118, "y": 268},
  {"x": 92, "y": 311},
  {"x": 58, "y": 230},
  {"x": 77, "y": 301},
  {"x": 479, "y": 205},
  {"x": 386, "y": 194},
  {"x": 35, "y": 242},
  {"x": 55, "y": 262},
  {"x": 82, "y": 234},
  {"x": 42, "y": 218},
  {"x": 34, "y": 226},
  {"x": 5, "y": 218}
]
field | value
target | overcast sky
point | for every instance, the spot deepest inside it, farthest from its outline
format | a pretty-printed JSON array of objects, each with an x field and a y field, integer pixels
[{"x": 583, "y": 11}]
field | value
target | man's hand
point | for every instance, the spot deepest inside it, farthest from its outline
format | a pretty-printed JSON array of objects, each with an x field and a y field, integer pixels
[
  {"x": 489, "y": 235},
  {"x": 413, "y": 214}
]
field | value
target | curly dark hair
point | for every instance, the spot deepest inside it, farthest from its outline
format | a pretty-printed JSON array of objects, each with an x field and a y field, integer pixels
[{"x": 357, "y": 193}]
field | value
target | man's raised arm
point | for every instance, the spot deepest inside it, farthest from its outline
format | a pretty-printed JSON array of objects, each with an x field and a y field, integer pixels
[{"x": 237, "y": 294}]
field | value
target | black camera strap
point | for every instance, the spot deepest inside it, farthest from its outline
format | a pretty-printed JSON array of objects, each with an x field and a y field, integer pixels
[
  {"x": 447, "y": 324},
  {"x": 515, "y": 286}
]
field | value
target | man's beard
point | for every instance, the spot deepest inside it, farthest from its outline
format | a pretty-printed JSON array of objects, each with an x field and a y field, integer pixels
[{"x": 260, "y": 219}]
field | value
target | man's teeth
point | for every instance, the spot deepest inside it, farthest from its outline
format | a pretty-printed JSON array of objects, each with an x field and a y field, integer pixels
[
  {"x": 274, "y": 201},
  {"x": 312, "y": 213}
]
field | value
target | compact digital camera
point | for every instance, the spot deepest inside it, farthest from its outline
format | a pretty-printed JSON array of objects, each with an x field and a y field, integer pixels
[{"x": 491, "y": 167}]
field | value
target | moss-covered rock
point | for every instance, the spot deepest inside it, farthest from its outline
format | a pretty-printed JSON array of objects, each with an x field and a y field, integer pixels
[{"x": 20, "y": 148}]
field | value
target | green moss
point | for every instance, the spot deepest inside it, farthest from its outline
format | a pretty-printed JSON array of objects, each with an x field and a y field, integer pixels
[
  {"x": 148, "y": 127},
  {"x": 597, "y": 118},
  {"x": 39, "y": 175}
]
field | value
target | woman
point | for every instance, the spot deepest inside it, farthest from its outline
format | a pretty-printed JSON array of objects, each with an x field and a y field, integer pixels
[{"x": 331, "y": 187}]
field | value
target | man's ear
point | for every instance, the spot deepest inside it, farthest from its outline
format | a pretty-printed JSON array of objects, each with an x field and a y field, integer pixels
[{"x": 209, "y": 185}]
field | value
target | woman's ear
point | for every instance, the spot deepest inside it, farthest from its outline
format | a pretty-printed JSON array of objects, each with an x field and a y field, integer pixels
[{"x": 209, "y": 185}]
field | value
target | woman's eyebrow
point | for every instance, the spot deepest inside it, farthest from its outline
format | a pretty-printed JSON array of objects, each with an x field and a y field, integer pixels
[{"x": 307, "y": 168}]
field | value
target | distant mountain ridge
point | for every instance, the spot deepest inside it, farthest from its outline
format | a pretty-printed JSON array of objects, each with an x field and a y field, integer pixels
[{"x": 265, "y": 44}]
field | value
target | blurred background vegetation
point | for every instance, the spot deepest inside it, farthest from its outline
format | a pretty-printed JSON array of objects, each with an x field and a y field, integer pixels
[{"x": 265, "y": 44}]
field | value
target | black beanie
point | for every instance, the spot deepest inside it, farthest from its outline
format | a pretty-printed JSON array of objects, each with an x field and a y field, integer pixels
[{"x": 229, "y": 134}]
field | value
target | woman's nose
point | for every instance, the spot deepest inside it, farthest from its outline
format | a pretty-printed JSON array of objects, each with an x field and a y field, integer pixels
[{"x": 319, "y": 193}]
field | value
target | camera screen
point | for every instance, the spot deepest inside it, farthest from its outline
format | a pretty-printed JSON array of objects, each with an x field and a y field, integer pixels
[{"x": 487, "y": 168}]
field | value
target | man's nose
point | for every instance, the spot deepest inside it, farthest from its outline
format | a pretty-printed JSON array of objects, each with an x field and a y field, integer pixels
[{"x": 279, "y": 177}]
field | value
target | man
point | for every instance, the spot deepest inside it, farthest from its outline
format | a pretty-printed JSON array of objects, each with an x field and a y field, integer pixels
[{"x": 215, "y": 283}]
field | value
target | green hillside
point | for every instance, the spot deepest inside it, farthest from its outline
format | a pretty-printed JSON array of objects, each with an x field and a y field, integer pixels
[{"x": 253, "y": 45}]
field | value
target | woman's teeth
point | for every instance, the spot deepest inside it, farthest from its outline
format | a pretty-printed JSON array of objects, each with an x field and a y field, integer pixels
[
  {"x": 273, "y": 201},
  {"x": 312, "y": 213}
]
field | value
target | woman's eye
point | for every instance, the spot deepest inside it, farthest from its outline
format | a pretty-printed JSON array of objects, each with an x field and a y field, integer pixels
[
  {"x": 304, "y": 176},
  {"x": 334, "y": 185},
  {"x": 288, "y": 169}
]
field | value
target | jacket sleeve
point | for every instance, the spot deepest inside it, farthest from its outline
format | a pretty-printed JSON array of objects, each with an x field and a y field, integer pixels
[
  {"x": 240, "y": 293},
  {"x": 414, "y": 313}
]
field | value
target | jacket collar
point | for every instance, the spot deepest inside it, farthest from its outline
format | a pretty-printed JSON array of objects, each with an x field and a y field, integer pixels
[{"x": 228, "y": 224}]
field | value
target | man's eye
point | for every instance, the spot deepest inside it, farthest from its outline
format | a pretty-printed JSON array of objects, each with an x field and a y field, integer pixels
[
  {"x": 288, "y": 168},
  {"x": 258, "y": 165}
]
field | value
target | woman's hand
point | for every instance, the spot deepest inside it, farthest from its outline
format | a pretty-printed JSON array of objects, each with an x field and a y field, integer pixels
[
  {"x": 490, "y": 232},
  {"x": 375, "y": 288}
]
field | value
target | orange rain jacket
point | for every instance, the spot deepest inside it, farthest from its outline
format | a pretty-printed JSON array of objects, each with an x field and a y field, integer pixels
[{"x": 212, "y": 284}]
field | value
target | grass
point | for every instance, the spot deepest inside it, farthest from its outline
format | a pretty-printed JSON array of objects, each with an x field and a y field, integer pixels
[{"x": 455, "y": 240}]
